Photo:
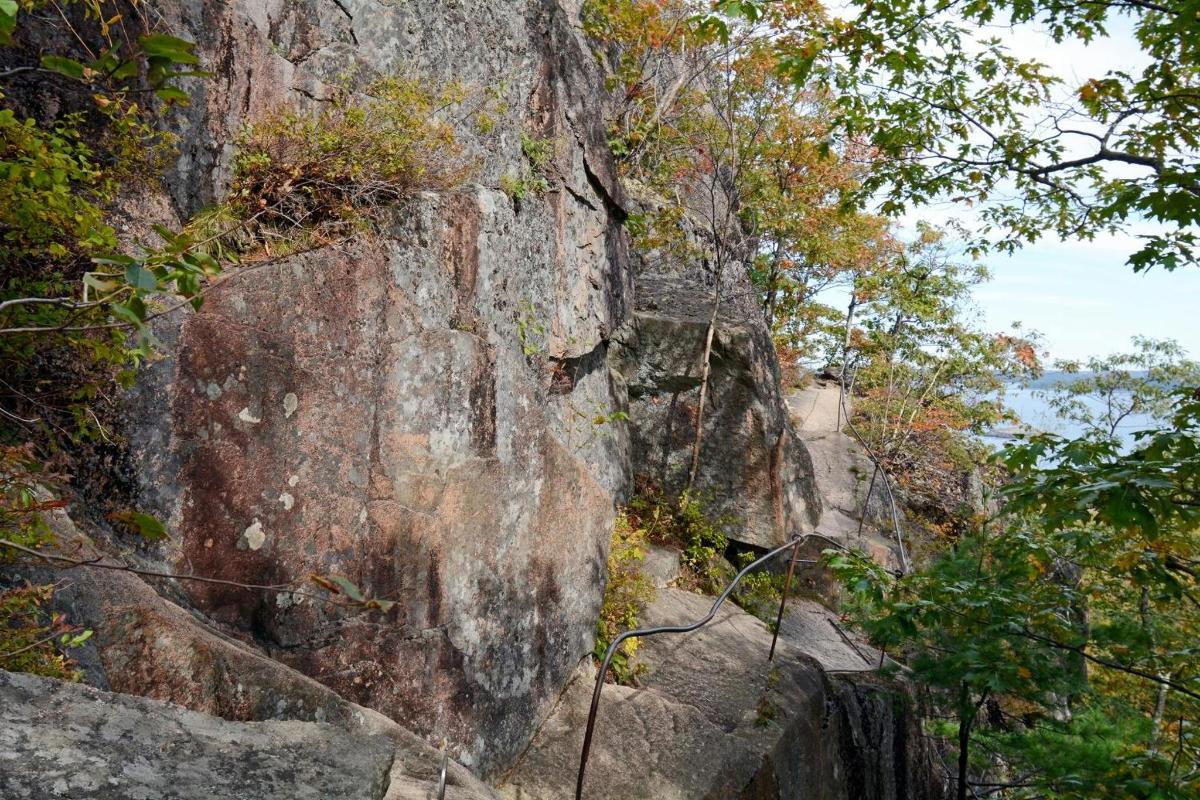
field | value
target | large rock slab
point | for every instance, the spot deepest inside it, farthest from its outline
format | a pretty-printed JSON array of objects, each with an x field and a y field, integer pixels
[
  {"x": 841, "y": 468},
  {"x": 413, "y": 410},
  {"x": 712, "y": 718},
  {"x": 328, "y": 421},
  {"x": 854, "y": 512},
  {"x": 145, "y": 645},
  {"x": 753, "y": 469},
  {"x": 65, "y": 740}
]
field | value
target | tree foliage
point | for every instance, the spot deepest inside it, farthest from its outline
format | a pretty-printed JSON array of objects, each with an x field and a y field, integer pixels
[
  {"x": 1102, "y": 394},
  {"x": 926, "y": 378},
  {"x": 731, "y": 159},
  {"x": 627, "y": 591},
  {"x": 955, "y": 112},
  {"x": 1057, "y": 635},
  {"x": 63, "y": 292},
  {"x": 1074, "y": 613}
]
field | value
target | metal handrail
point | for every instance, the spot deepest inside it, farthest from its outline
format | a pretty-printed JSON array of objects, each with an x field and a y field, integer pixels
[
  {"x": 793, "y": 543},
  {"x": 879, "y": 470},
  {"x": 442, "y": 773}
]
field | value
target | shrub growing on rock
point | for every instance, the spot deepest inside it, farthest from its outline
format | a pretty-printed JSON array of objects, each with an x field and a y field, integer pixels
[
  {"x": 32, "y": 639},
  {"x": 625, "y": 596},
  {"x": 326, "y": 172},
  {"x": 685, "y": 522}
]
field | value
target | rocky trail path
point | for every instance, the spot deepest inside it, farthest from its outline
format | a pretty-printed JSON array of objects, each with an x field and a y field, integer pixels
[
  {"x": 842, "y": 471},
  {"x": 711, "y": 717}
]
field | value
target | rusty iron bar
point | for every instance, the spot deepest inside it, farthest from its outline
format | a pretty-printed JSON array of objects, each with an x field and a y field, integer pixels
[
  {"x": 849, "y": 641},
  {"x": 787, "y": 584},
  {"x": 442, "y": 772},
  {"x": 792, "y": 543},
  {"x": 887, "y": 484}
]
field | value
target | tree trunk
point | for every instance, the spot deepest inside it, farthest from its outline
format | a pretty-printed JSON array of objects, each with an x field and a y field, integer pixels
[
  {"x": 705, "y": 369},
  {"x": 964, "y": 740},
  {"x": 967, "y": 712},
  {"x": 862, "y": 518},
  {"x": 845, "y": 355}
]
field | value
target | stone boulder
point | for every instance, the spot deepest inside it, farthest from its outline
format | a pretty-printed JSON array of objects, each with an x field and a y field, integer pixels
[
  {"x": 143, "y": 644},
  {"x": 66, "y": 740},
  {"x": 753, "y": 468}
]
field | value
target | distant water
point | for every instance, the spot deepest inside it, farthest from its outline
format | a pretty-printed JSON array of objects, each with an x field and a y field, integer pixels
[{"x": 1030, "y": 405}]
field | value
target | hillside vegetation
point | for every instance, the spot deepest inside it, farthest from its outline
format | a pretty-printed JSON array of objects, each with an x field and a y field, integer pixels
[{"x": 1046, "y": 603}]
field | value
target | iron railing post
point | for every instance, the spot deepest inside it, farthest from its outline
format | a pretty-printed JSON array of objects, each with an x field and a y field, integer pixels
[{"x": 787, "y": 584}]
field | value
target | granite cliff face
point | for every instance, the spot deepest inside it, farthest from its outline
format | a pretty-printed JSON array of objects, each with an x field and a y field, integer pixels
[
  {"x": 412, "y": 410},
  {"x": 431, "y": 411}
]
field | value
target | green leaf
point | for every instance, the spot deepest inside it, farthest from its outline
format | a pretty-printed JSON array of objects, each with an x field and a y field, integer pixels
[
  {"x": 76, "y": 640},
  {"x": 140, "y": 278},
  {"x": 146, "y": 526},
  {"x": 348, "y": 588},
  {"x": 173, "y": 239},
  {"x": 173, "y": 95},
  {"x": 64, "y": 66},
  {"x": 8, "y": 19},
  {"x": 126, "y": 69},
  {"x": 171, "y": 48},
  {"x": 100, "y": 284},
  {"x": 134, "y": 311},
  {"x": 208, "y": 265}
]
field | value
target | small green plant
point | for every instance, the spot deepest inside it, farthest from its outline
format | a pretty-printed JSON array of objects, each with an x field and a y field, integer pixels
[
  {"x": 325, "y": 173},
  {"x": 765, "y": 713},
  {"x": 626, "y": 594},
  {"x": 31, "y": 638},
  {"x": 703, "y": 538},
  {"x": 530, "y": 331},
  {"x": 21, "y": 504},
  {"x": 518, "y": 187},
  {"x": 491, "y": 106},
  {"x": 531, "y": 181},
  {"x": 687, "y": 524},
  {"x": 60, "y": 181},
  {"x": 607, "y": 417},
  {"x": 595, "y": 423},
  {"x": 539, "y": 151},
  {"x": 759, "y": 592}
]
